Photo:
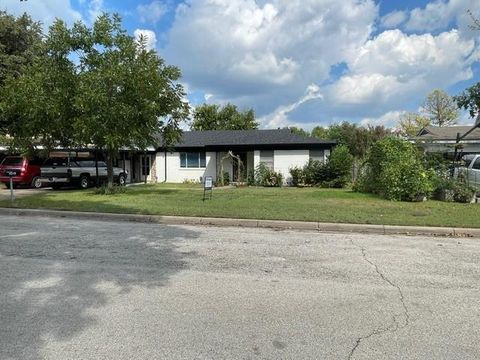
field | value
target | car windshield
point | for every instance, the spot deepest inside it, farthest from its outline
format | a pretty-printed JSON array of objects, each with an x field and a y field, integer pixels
[{"x": 13, "y": 161}]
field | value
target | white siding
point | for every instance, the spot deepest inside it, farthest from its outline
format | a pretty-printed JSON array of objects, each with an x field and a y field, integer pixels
[
  {"x": 176, "y": 174},
  {"x": 256, "y": 158},
  {"x": 286, "y": 159},
  {"x": 160, "y": 161}
]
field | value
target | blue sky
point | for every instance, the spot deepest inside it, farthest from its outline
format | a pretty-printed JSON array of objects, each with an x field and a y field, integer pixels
[{"x": 301, "y": 62}]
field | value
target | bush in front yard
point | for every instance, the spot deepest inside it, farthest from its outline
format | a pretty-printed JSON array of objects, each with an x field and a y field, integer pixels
[
  {"x": 335, "y": 173},
  {"x": 395, "y": 170},
  {"x": 339, "y": 167},
  {"x": 264, "y": 176}
]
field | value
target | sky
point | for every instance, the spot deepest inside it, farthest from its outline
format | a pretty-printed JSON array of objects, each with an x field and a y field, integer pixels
[{"x": 300, "y": 62}]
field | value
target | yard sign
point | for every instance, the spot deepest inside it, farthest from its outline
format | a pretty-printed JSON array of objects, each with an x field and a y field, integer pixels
[{"x": 207, "y": 186}]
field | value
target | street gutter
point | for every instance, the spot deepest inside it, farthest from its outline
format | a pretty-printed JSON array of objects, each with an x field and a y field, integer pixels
[{"x": 250, "y": 223}]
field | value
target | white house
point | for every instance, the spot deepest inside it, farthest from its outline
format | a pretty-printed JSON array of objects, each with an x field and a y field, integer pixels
[
  {"x": 443, "y": 140},
  {"x": 201, "y": 153}
]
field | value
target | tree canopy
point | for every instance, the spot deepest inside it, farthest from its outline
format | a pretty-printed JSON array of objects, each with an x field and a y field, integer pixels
[
  {"x": 20, "y": 44},
  {"x": 116, "y": 93},
  {"x": 411, "y": 123},
  {"x": 470, "y": 100},
  {"x": 440, "y": 108},
  {"x": 228, "y": 117}
]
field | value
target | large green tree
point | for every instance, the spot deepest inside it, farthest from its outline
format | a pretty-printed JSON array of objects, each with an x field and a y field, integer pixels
[
  {"x": 38, "y": 105},
  {"x": 96, "y": 86},
  {"x": 228, "y": 117},
  {"x": 20, "y": 44},
  {"x": 440, "y": 108},
  {"x": 126, "y": 94}
]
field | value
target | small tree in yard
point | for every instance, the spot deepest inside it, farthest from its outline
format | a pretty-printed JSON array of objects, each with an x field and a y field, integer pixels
[
  {"x": 339, "y": 166},
  {"x": 395, "y": 170},
  {"x": 126, "y": 93}
]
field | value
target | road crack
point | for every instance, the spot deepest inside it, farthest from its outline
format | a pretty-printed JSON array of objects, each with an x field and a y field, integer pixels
[{"x": 399, "y": 320}]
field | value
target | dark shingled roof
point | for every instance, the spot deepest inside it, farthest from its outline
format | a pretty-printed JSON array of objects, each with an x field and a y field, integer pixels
[
  {"x": 448, "y": 133},
  {"x": 247, "y": 138}
]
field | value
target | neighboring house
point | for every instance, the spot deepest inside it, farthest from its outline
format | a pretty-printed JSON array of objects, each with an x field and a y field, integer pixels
[
  {"x": 443, "y": 139},
  {"x": 200, "y": 153}
]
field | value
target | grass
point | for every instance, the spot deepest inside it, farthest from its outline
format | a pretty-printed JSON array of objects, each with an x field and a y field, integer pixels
[{"x": 307, "y": 204}]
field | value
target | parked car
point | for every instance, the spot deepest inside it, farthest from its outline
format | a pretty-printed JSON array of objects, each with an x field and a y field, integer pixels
[
  {"x": 25, "y": 170},
  {"x": 58, "y": 172},
  {"x": 471, "y": 169}
]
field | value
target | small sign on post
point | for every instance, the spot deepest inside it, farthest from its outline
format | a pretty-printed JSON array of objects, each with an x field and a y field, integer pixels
[
  {"x": 11, "y": 174},
  {"x": 207, "y": 186}
]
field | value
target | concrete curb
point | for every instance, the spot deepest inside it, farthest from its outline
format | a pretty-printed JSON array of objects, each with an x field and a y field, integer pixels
[{"x": 250, "y": 223}]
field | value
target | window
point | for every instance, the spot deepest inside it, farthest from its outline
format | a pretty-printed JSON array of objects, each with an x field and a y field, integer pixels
[
  {"x": 193, "y": 160},
  {"x": 318, "y": 155},
  {"x": 476, "y": 165},
  {"x": 266, "y": 157}
]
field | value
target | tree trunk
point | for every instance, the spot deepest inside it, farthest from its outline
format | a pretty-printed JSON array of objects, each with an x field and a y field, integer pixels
[{"x": 110, "y": 156}]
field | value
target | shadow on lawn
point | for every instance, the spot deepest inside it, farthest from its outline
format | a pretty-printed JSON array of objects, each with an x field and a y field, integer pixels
[{"x": 54, "y": 271}]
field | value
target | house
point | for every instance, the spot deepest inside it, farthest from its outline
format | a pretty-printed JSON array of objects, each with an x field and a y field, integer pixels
[
  {"x": 205, "y": 153},
  {"x": 443, "y": 139},
  {"x": 202, "y": 153}
]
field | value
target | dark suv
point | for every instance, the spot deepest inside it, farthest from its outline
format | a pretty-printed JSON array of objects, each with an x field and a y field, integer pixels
[{"x": 25, "y": 171}]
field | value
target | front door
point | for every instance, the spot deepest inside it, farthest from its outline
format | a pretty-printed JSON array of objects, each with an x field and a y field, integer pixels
[{"x": 237, "y": 176}]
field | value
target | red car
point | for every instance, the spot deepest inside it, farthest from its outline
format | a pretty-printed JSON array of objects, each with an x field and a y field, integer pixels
[{"x": 25, "y": 171}]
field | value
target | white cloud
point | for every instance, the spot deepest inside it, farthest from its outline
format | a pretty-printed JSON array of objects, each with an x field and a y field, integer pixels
[
  {"x": 250, "y": 51},
  {"x": 95, "y": 9},
  {"x": 264, "y": 54},
  {"x": 393, "y": 19},
  {"x": 389, "y": 120},
  {"x": 441, "y": 14},
  {"x": 45, "y": 11},
  {"x": 149, "y": 37},
  {"x": 394, "y": 67},
  {"x": 279, "y": 118},
  {"x": 152, "y": 12}
]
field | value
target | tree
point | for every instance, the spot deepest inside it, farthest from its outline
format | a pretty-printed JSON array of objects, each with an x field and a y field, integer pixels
[
  {"x": 320, "y": 132},
  {"x": 470, "y": 101},
  {"x": 228, "y": 117},
  {"x": 127, "y": 94},
  {"x": 37, "y": 105},
  {"x": 116, "y": 94},
  {"x": 298, "y": 131},
  {"x": 20, "y": 43},
  {"x": 411, "y": 123},
  {"x": 440, "y": 108},
  {"x": 357, "y": 138}
]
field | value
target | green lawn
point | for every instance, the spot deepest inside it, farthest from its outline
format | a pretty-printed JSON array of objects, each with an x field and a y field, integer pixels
[{"x": 307, "y": 204}]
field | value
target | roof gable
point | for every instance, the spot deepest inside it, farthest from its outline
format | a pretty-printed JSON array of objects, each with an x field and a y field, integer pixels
[{"x": 448, "y": 133}]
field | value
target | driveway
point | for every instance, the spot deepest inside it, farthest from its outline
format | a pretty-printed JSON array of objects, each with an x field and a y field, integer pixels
[
  {"x": 105, "y": 290},
  {"x": 20, "y": 192}
]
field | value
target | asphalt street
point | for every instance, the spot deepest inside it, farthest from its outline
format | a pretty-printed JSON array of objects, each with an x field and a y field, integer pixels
[{"x": 105, "y": 290}]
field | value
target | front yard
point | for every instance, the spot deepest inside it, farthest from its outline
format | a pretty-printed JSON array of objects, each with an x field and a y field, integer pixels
[{"x": 307, "y": 204}]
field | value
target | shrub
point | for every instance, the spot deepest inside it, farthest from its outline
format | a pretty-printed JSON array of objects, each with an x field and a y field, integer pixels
[
  {"x": 297, "y": 176},
  {"x": 395, "y": 170},
  {"x": 339, "y": 167},
  {"x": 264, "y": 176},
  {"x": 462, "y": 193},
  {"x": 105, "y": 190}
]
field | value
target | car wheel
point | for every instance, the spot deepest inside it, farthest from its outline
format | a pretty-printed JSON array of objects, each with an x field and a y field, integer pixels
[
  {"x": 122, "y": 180},
  {"x": 84, "y": 182},
  {"x": 36, "y": 182}
]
